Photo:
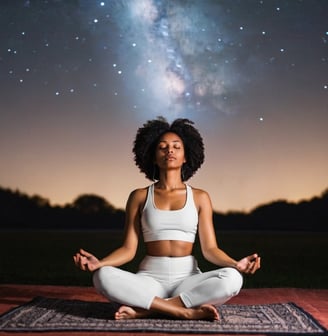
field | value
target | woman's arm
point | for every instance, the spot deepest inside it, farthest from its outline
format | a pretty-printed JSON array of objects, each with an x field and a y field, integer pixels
[
  {"x": 125, "y": 253},
  {"x": 208, "y": 241}
]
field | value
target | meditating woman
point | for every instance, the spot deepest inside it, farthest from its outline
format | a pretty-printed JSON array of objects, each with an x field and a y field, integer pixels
[{"x": 168, "y": 214}]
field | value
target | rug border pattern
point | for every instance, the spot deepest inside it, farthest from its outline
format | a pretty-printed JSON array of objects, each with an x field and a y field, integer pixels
[{"x": 141, "y": 326}]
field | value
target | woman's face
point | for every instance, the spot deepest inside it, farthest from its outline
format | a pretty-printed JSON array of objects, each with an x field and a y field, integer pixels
[{"x": 170, "y": 151}]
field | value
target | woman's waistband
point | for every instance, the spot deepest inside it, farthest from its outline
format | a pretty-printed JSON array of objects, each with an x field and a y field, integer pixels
[{"x": 186, "y": 263}]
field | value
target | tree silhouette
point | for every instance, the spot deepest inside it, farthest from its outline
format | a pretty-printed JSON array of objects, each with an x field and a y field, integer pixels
[{"x": 92, "y": 204}]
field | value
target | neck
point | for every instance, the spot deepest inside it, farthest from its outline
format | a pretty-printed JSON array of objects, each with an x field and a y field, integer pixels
[{"x": 170, "y": 182}]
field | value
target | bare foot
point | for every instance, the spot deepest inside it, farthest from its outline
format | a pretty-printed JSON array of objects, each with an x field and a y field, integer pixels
[
  {"x": 175, "y": 307},
  {"x": 204, "y": 312},
  {"x": 126, "y": 312}
]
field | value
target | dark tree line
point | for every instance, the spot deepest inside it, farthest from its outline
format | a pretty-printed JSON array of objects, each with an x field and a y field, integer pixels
[
  {"x": 311, "y": 215},
  {"x": 20, "y": 211}
]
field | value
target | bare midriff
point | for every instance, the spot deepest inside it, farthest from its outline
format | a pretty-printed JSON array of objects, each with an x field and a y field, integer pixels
[{"x": 169, "y": 248}]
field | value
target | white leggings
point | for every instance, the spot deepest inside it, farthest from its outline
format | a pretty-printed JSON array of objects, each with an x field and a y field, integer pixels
[{"x": 167, "y": 277}]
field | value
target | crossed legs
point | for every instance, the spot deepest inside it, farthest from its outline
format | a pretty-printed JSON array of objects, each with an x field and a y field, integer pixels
[
  {"x": 172, "y": 307},
  {"x": 142, "y": 295}
]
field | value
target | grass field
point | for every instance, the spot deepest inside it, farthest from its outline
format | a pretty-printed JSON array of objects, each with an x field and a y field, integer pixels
[{"x": 288, "y": 259}]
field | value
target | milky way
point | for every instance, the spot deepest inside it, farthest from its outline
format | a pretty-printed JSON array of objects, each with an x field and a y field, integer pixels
[
  {"x": 176, "y": 55},
  {"x": 190, "y": 58},
  {"x": 195, "y": 58}
]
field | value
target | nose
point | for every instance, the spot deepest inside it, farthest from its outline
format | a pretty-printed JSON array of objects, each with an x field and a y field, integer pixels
[{"x": 170, "y": 149}]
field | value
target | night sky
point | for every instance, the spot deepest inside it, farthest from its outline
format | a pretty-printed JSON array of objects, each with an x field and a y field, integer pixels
[{"x": 77, "y": 78}]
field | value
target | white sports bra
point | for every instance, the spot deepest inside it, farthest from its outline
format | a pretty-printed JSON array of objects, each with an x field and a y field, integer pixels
[{"x": 181, "y": 224}]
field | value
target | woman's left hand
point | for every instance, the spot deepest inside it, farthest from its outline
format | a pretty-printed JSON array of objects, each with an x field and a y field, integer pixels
[{"x": 250, "y": 264}]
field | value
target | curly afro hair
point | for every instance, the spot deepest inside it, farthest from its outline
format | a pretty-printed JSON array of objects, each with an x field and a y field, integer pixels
[{"x": 148, "y": 137}]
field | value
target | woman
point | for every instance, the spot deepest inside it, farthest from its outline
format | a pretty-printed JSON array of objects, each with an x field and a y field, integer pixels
[{"x": 168, "y": 214}]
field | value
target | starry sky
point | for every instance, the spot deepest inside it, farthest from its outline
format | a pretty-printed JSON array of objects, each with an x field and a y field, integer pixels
[{"x": 78, "y": 77}]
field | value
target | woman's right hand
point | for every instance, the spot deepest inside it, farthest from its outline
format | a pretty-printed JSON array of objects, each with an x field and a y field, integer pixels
[{"x": 86, "y": 261}]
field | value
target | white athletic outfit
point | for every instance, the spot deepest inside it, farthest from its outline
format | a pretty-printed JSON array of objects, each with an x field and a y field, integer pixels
[{"x": 167, "y": 277}]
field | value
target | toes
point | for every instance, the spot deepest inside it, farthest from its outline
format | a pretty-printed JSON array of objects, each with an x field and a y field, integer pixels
[{"x": 211, "y": 311}]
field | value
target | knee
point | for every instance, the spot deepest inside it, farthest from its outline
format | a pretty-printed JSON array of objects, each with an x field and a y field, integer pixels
[
  {"x": 102, "y": 276},
  {"x": 234, "y": 280}
]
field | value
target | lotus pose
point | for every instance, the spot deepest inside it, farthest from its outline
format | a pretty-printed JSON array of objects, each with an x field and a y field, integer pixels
[{"x": 168, "y": 214}]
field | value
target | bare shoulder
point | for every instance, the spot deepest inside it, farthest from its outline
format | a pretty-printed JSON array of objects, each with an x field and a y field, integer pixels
[
  {"x": 201, "y": 197},
  {"x": 138, "y": 196}
]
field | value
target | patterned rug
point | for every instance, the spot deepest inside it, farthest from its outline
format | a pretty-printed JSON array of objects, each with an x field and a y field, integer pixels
[{"x": 48, "y": 314}]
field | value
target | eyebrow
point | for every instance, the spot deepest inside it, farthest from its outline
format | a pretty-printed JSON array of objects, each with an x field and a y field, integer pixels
[{"x": 170, "y": 141}]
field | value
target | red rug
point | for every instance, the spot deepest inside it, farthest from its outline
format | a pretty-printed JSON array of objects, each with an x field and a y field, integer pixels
[{"x": 48, "y": 314}]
